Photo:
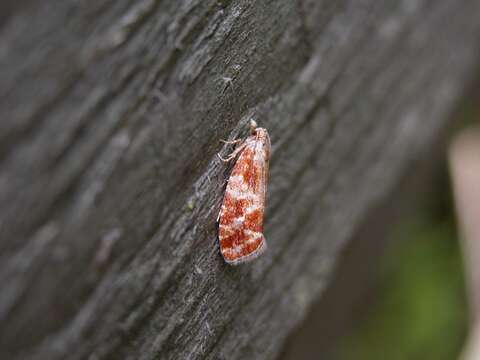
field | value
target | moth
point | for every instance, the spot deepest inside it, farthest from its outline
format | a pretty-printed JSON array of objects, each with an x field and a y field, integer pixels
[{"x": 240, "y": 229}]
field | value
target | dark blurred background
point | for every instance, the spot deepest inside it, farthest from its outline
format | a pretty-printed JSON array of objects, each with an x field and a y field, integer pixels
[{"x": 408, "y": 298}]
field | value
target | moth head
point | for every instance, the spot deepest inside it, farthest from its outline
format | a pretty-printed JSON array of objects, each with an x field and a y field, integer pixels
[{"x": 253, "y": 126}]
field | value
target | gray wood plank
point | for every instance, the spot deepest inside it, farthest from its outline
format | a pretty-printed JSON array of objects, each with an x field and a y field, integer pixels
[{"x": 110, "y": 186}]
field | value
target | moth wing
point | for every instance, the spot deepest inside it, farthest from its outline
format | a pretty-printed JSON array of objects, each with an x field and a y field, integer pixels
[{"x": 241, "y": 218}]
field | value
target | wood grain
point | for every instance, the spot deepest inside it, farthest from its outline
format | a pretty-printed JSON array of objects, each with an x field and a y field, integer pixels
[{"x": 110, "y": 186}]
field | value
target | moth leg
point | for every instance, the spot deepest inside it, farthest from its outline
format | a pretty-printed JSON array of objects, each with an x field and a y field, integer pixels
[
  {"x": 233, "y": 155},
  {"x": 228, "y": 158},
  {"x": 222, "y": 158},
  {"x": 236, "y": 141}
]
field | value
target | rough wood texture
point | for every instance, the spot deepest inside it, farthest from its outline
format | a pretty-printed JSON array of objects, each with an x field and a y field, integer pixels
[{"x": 112, "y": 112}]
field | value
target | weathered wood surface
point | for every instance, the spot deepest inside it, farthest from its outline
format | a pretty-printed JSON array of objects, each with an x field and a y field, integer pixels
[{"x": 110, "y": 186}]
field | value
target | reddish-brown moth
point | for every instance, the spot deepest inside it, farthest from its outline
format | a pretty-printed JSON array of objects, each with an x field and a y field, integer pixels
[{"x": 241, "y": 216}]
